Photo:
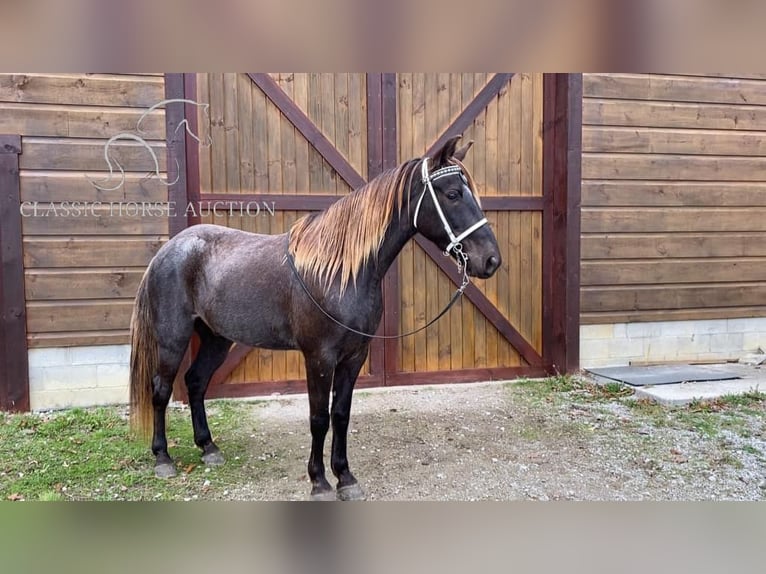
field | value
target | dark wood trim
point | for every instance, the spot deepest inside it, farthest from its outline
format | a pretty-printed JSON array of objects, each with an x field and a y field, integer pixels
[
  {"x": 191, "y": 113},
  {"x": 309, "y": 130},
  {"x": 389, "y": 157},
  {"x": 286, "y": 387},
  {"x": 10, "y": 144},
  {"x": 14, "y": 357},
  {"x": 484, "y": 305},
  {"x": 549, "y": 112},
  {"x": 562, "y": 137},
  {"x": 318, "y": 202},
  {"x": 467, "y": 375},
  {"x": 571, "y": 228},
  {"x": 176, "y": 146},
  {"x": 469, "y": 113}
]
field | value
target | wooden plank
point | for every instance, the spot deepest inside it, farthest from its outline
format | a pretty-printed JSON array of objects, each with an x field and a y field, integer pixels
[
  {"x": 274, "y": 147},
  {"x": 673, "y": 167},
  {"x": 660, "y": 271},
  {"x": 205, "y": 151},
  {"x": 455, "y": 314},
  {"x": 472, "y": 110},
  {"x": 673, "y": 245},
  {"x": 45, "y": 186},
  {"x": 300, "y": 95},
  {"x": 89, "y": 89},
  {"x": 674, "y": 88},
  {"x": 308, "y": 129},
  {"x": 420, "y": 358},
  {"x": 14, "y": 366},
  {"x": 609, "y": 139},
  {"x": 443, "y": 286},
  {"x": 79, "y": 338},
  {"x": 391, "y": 284},
  {"x": 287, "y": 134},
  {"x": 656, "y": 297},
  {"x": 178, "y": 191},
  {"x": 217, "y": 134},
  {"x": 432, "y": 292},
  {"x": 260, "y": 137},
  {"x": 59, "y": 316},
  {"x": 49, "y": 120},
  {"x": 327, "y": 125},
  {"x": 675, "y": 219},
  {"x": 192, "y": 148},
  {"x": 673, "y": 315},
  {"x": 406, "y": 257},
  {"x": 90, "y": 252},
  {"x": 247, "y": 142},
  {"x": 231, "y": 133},
  {"x": 605, "y": 193},
  {"x": 46, "y": 285},
  {"x": 103, "y": 223},
  {"x": 639, "y": 113},
  {"x": 88, "y": 155}
]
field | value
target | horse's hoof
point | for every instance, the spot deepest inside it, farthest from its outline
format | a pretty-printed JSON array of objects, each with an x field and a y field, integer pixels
[
  {"x": 165, "y": 470},
  {"x": 322, "y": 496},
  {"x": 351, "y": 492},
  {"x": 214, "y": 458}
]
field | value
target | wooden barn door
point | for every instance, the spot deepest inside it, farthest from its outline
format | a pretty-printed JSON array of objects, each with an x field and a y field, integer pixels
[
  {"x": 497, "y": 331},
  {"x": 294, "y": 143}
]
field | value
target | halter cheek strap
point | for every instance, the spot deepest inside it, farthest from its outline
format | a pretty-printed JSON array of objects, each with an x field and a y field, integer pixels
[{"x": 428, "y": 186}]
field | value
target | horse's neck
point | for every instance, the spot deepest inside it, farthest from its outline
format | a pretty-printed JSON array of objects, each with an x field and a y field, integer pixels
[{"x": 398, "y": 233}]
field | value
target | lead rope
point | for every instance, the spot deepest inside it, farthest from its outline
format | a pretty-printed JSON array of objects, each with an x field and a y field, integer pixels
[{"x": 462, "y": 266}]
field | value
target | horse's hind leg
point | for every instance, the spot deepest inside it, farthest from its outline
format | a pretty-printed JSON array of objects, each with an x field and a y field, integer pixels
[
  {"x": 212, "y": 353},
  {"x": 170, "y": 357}
]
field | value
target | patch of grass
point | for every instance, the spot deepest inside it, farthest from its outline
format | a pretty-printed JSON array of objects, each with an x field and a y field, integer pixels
[
  {"x": 749, "y": 399},
  {"x": 750, "y": 449},
  {"x": 88, "y": 454}
]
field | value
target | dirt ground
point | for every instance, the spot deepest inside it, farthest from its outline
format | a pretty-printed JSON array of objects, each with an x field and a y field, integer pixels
[{"x": 519, "y": 442}]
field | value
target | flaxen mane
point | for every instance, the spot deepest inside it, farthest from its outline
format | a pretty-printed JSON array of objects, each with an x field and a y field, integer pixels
[{"x": 340, "y": 240}]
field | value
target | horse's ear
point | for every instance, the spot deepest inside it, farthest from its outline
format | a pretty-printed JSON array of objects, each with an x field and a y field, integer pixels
[
  {"x": 460, "y": 153},
  {"x": 442, "y": 155}
]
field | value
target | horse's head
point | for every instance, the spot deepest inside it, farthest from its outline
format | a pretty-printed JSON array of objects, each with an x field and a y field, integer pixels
[{"x": 447, "y": 212}]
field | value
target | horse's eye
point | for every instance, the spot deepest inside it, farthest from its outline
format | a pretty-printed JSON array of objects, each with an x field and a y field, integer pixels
[{"x": 452, "y": 195}]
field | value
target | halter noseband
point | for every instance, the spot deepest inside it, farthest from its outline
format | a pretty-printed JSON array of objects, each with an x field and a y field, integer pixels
[{"x": 428, "y": 186}]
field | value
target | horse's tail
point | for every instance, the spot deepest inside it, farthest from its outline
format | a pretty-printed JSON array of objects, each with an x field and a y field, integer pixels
[{"x": 144, "y": 359}]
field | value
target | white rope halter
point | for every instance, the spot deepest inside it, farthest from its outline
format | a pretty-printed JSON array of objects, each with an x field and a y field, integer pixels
[{"x": 428, "y": 185}]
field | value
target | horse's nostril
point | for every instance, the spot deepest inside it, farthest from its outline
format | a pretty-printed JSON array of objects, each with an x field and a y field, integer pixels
[{"x": 492, "y": 264}]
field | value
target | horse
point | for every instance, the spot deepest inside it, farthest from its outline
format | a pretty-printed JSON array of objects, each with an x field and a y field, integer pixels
[{"x": 316, "y": 288}]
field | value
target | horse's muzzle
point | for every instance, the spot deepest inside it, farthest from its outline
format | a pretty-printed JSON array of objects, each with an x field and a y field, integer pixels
[{"x": 487, "y": 268}]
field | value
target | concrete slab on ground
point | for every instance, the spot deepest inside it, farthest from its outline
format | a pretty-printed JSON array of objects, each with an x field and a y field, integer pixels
[{"x": 753, "y": 378}]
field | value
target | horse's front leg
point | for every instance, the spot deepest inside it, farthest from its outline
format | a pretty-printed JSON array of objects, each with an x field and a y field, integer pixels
[
  {"x": 345, "y": 377},
  {"x": 319, "y": 374}
]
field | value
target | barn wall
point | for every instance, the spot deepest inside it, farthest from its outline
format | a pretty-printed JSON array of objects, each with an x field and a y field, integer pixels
[
  {"x": 673, "y": 216},
  {"x": 81, "y": 272}
]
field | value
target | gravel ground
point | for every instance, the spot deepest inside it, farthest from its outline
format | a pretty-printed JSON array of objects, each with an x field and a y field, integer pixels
[{"x": 504, "y": 441}]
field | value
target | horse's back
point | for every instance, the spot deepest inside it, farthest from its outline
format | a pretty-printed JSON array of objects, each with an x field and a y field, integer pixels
[{"x": 236, "y": 281}]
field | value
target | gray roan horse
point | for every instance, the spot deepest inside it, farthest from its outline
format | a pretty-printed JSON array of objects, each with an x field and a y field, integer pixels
[{"x": 232, "y": 286}]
